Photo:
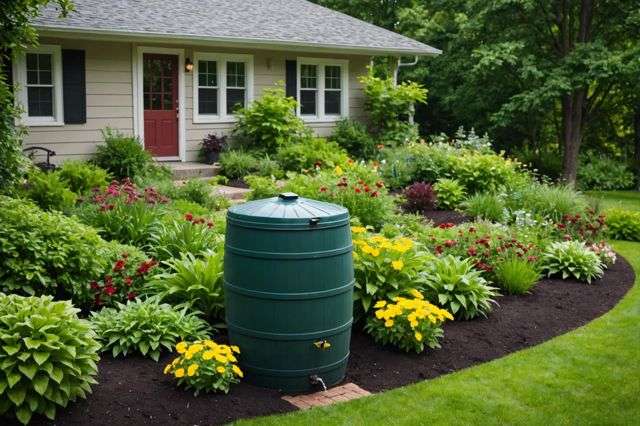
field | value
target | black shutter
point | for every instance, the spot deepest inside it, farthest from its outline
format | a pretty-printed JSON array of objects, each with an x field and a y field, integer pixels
[
  {"x": 291, "y": 81},
  {"x": 74, "y": 92}
]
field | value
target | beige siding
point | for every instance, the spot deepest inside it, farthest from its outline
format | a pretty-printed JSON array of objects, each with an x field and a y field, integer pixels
[{"x": 110, "y": 95}]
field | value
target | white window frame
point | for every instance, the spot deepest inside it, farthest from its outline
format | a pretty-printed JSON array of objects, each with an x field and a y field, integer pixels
[
  {"x": 20, "y": 73},
  {"x": 221, "y": 59},
  {"x": 320, "y": 115}
]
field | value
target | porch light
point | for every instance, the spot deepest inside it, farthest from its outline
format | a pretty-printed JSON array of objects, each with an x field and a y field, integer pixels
[{"x": 188, "y": 65}]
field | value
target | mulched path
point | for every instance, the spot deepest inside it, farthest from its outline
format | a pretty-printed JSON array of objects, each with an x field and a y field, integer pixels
[
  {"x": 133, "y": 391},
  {"x": 237, "y": 183}
]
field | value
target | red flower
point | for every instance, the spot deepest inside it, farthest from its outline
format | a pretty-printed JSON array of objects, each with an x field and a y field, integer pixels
[
  {"x": 146, "y": 266},
  {"x": 438, "y": 249},
  {"x": 128, "y": 281},
  {"x": 472, "y": 230},
  {"x": 119, "y": 266},
  {"x": 210, "y": 224},
  {"x": 472, "y": 251},
  {"x": 188, "y": 217},
  {"x": 449, "y": 243},
  {"x": 324, "y": 188},
  {"x": 379, "y": 184},
  {"x": 374, "y": 194},
  {"x": 446, "y": 225},
  {"x": 366, "y": 188},
  {"x": 358, "y": 190},
  {"x": 110, "y": 290},
  {"x": 131, "y": 295},
  {"x": 94, "y": 285},
  {"x": 108, "y": 280}
]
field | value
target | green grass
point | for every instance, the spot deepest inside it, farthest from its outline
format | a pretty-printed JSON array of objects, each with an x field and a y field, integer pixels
[
  {"x": 615, "y": 199},
  {"x": 588, "y": 376}
]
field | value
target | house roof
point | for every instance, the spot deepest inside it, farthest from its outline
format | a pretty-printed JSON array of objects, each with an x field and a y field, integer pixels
[{"x": 260, "y": 22}]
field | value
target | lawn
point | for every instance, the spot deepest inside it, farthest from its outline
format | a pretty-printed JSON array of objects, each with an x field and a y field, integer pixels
[
  {"x": 588, "y": 376},
  {"x": 622, "y": 199}
]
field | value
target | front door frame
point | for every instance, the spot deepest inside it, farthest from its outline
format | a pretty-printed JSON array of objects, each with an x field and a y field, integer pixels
[{"x": 138, "y": 94}]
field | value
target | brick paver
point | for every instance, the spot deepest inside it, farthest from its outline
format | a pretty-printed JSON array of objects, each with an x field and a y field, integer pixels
[{"x": 342, "y": 393}]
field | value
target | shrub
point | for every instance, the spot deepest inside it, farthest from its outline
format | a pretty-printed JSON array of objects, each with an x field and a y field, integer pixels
[
  {"x": 212, "y": 144},
  {"x": 311, "y": 153},
  {"x": 196, "y": 282},
  {"x": 200, "y": 192},
  {"x": 407, "y": 323},
  {"x": 455, "y": 285},
  {"x": 46, "y": 252},
  {"x": 623, "y": 224},
  {"x": 269, "y": 168},
  {"x": 82, "y": 177},
  {"x": 270, "y": 121},
  {"x": 48, "y": 356},
  {"x": 122, "y": 156},
  {"x": 192, "y": 235},
  {"x": 146, "y": 326},
  {"x": 124, "y": 281},
  {"x": 13, "y": 163},
  {"x": 484, "y": 172},
  {"x": 603, "y": 173},
  {"x": 545, "y": 201},
  {"x": 205, "y": 366},
  {"x": 261, "y": 187},
  {"x": 471, "y": 141},
  {"x": 48, "y": 191},
  {"x": 516, "y": 275},
  {"x": 384, "y": 268},
  {"x": 571, "y": 259},
  {"x": 352, "y": 136},
  {"x": 419, "y": 197},
  {"x": 237, "y": 164},
  {"x": 449, "y": 193},
  {"x": 484, "y": 206}
]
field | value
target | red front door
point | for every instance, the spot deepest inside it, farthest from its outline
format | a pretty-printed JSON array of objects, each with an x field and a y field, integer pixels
[{"x": 160, "y": 79}]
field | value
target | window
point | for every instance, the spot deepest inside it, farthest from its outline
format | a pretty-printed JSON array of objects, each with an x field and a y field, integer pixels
[
  {"x": 39, "y": 75},
  {"x": 322, "y": 89},
  {"x": 224, "y": 84}
]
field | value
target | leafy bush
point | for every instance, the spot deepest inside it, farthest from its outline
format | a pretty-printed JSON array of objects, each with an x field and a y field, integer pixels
[
  {"x": 516, "y": 275},
  {"x": 455, "y": 285},
  {"x": 192, "y": 235},
  {"x": 122, "y": 156},
  {"x": 269, "y": 121},
  {"x": 545, "y": 201},
  {"x": 146, "y": 326},
  {"x": 589, "y": 227},
  {"x": 200, "y": 192},
  {"x": 82, "y": 177},
  {"x": 310, "y": 153},
  {"x": 603, "y": 173},
  {"x": 205, "y": 366},
  {"x": 48, "y": 356},
  {"x": 269, "y": 168},
  {"x": 419, "y": 197},
  {"x": 571, "y": 259},
  {"x": 623, "y": 224},
  {"x": 237, "y": 164},
  {"x": 449, "y": 193},
  {"x": 352, "y": 136},
  {"x": 485, "y": 206},
  {"x": 384, "y": 268},
  {"x": 479, "y": 172},
  {"x": 407, "y": 323},
  {"x": 124, "y": 281},
  {"x": 46, "y": 252},
  {"x": 48, "y": 191},
  {"x": 261, "y": 187},
  {"x": 196, "y": 282},
  {"x": 13, "y": 163}
]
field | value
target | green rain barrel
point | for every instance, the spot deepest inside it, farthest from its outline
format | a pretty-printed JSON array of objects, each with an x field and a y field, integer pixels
[{"x": 288, "y": 277}]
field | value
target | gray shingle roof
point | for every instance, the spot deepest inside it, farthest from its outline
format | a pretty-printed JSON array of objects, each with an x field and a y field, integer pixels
[{"x": 272, "y": 22}]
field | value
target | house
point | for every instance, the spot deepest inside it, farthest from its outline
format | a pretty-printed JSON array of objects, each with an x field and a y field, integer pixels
[{"x": 171, "y": 72}]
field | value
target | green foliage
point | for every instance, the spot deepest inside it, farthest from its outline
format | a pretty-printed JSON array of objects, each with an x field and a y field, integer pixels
[
  {"x": 191, "y": 235},
  {"x": 268, "y": 167},
  {"x": 623, "y": 224},
  {"x": 485, "y": 206},
  {"x": 455, "y": 285},
  {"x": 237, "y": 164},
  {"x": 47, "y": 358},
  {"x": 261, "y": 187},
  {"x": 269, "y": 121},
  {"x": 546, "y": 201},
  {"x": 571, "y": 259},
  {"x": 146, "y": 327},
  {"x": 46, "y": 252},
  {"x": 516, "y": 275},
  {"x": 121, "y": 155},
  {"x": 196, "y": 282},
  {"x": 309, "y": 153},
  {"x": 82, "y": 177},
  {"x": 48, "y": 191},
  {"x": 479, "y": 172},
  {"x": 13, "y": 164},
  {"x": 352, "y": 136},
  {"x": 200, "y": 192},
  {"x": 603, "y": 173},
  {"x": 450, "y": 193}
]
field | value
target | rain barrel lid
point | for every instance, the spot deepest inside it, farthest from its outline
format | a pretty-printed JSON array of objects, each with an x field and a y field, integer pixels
[{"x": 288, "y": 210}]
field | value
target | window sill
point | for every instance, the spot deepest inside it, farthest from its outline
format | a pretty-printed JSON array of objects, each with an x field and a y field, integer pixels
[
  {"x": 28, "y": 123},
  {"x": 326, "y": 119}
]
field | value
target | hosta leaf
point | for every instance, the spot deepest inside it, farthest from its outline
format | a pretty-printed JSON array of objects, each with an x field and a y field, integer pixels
[
  {"x": 455, "y": 306},
  {"x": 11, "y": 349},
  {"x": 28, "y": 370},
  {"x": 24, "y": 414},
  {"x": 17, "y": 394},
  {"x": 56, "y": 374},
  {"x": 40, "y": 357},
  {"x": 40, "y": 384},
  {"x": 13, "y": 377}
]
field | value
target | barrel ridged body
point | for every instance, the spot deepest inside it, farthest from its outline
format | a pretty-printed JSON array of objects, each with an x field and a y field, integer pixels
[{"x": 289, "y": 290}]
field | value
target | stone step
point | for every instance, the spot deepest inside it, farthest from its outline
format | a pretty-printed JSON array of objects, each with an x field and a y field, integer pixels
[
  {"x": 232, "y": 193},
  {"x": 190, "y": 169}
]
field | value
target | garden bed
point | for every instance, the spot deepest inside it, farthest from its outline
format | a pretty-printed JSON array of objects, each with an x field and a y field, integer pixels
[
  {"x": 446, "y": 216},
  {"x": 134, "y": 391}
]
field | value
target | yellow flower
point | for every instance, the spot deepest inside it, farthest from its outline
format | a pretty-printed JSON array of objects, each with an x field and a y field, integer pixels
[
  {"x": 388, "y": 323},
  {"x": 195, "y": 348},
  {"x": 221, "y": 358},
  {"x": 167, "y": 368},
  {"x": 231, "y": 358},
  {"x": 235, "y": 349},
  {"x": 181, "y": 347},
  {"x": 418, "y": 336},
  {"x": 338, "y": 171},
  {"x": 220, "y": 370},
  {"x": 413, "y": 323},
  {"x": 375, "y": 252},
  {"x": 366, "y": 248},
  {"x": 380, "y": 304},
  {"x": 415, "y": 293},
  {"x": 179, "y": 372},
  {"x": 358, "y": 229},
  {"x": 193, "y": 369},
  {"x": 397, "y": 265},
  {"x": 188, "y": 355},
  {"x": 175, "y": 362},
  {"x": 380, "y": 313},
  {"x": 207, "y": 355},
  {"x": 237, "y": 370}
]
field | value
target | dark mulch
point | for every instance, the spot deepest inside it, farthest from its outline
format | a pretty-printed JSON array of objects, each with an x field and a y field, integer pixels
[
  {"x": 446, "y": 216},
  {"x": 237, "y": 183},
  {"x": 133, "y": 391}
]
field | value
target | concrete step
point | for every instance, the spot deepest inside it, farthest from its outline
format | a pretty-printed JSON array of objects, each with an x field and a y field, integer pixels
[
  {"x": 191, "y": 169},
  {"x": 232, "y": 193}
]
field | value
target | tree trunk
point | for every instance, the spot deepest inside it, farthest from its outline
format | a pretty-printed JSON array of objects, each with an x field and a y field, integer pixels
[
  {"x": 636, "y": 137},
  {"x": 572, "y": 111}
]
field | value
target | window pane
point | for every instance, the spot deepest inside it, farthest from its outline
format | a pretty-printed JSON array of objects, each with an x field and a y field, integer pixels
[
  {"x": 332, "y": 102},
  {"x": 147, "y": 101},
  {"x": 45, "y": 77},
  {"x": 308, "y": 76},
  {"x": 44, "y": 62},
  {"x": 208, "y": 101},
  {"x": 207, "y": 73},
  {"x": 235, "y": 100},
  {"x": 32, "y": 61},
  {"x": 308, "y": 102},
  {"x": 235, "y": 74},
  {"x": 40, "y": 101},
  {"x": 167, "y": 102},
  {"x": 32, "y": 77},
  {"x": 332, "y": 77},
  {"x": 156, "y": 98}
]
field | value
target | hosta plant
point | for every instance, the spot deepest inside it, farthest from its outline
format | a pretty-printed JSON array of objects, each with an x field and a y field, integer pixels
[
  {"x": 47, "y": 356},
  {"x": 192, "y": 235},
  {"x": 450, "y": 193},
  {"x": 193, "y": 281},
  {"x": 146, "y": 326},
  {"x": 205, "y": 366},
  {"x": 456, "y": 286},
  {"x": 571, "y": 259},
  {"x": 384, "y": 268},
  {"x": 408, "y": 323}
]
